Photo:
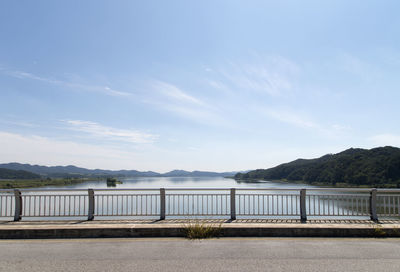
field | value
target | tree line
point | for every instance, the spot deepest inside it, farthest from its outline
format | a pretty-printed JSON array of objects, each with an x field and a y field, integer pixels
[{"x": 377, "y": 167}]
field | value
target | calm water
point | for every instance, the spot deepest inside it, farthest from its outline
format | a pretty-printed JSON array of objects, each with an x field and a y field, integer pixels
[
  {"x": 182, "y": 182},
  {"x": 175, "y": 204}
]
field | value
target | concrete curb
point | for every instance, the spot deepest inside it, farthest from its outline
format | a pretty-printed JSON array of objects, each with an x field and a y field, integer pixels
[{"x": 178, "y": 230}]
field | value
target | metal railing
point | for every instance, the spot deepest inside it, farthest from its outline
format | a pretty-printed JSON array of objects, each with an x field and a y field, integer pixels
[
  {"x": 7, "y": 203},
  {"x": 142, "y": 202},
  {"x": 197, "y": 202},
  {"x": 201, "y": 202},
  {"x": 338, "y": 203},
  {"x": 388, "y": 203},
  {"x": 269, "y": 202}
]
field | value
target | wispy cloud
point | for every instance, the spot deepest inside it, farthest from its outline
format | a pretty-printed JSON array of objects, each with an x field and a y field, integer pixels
[
  {"x": 18, "y": 123},
  {"x": 357, "y": 67},
  {"x": 291, "y": 118},
  {"x": 175, "y": 93},
  {"x": 218, "y": 85},
  {"x": 272, "y": 76},
  {"x": 89, "y": 88},
  {"x": 104, "y": 132},
  {"x": 305, "y": 121},
  {"x": 174, "y": 99},
  {"x": 111, "y": 91}
]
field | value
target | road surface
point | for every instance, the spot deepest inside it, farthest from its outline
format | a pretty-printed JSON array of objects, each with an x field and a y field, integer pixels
[{"x": 224, "y": 254}]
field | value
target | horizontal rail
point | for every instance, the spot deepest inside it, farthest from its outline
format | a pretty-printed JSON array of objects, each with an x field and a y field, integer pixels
[
  {"x": 206, "y": 189},
  {"x": 209, "y": 202}
]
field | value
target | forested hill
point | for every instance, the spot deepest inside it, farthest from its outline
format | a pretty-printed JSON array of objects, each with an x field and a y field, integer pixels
[
  {"x": 17, "y": 174},
  {"x": 378, "y": 167}
]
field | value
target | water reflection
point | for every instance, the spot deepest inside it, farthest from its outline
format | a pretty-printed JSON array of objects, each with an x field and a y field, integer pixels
[{"x": 183, "y": 182}]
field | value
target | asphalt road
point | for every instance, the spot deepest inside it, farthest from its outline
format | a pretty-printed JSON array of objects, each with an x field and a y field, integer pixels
[{"x": 225, "y": 254}]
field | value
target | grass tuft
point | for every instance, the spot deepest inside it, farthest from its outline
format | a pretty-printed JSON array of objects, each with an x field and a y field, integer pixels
[
  {"x": 379, "y": 232},
  {"x": 202, "y": 231}
]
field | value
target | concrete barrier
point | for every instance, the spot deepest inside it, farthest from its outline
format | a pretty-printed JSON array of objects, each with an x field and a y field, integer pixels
[{"x": 109, "y": 230}]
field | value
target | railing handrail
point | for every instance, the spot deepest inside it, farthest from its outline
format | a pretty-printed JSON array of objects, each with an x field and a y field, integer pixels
[
  {"x": 205, "y": 189},
  {"x": 292, "y": 201}
]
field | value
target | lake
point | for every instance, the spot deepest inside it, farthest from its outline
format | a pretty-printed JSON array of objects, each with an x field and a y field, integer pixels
[{"x": 181, "y": 182}]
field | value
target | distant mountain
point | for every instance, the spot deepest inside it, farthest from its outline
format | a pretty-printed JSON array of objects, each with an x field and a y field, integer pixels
[
  {"x": 17, "y": 174},
  {"x": 134, "y": 173},
  {"x": 47, "y": 171},
  {"x": 378, "y": 167},
  {"x": 182, "y": 173},
  {"x": 73, "y": 171}
]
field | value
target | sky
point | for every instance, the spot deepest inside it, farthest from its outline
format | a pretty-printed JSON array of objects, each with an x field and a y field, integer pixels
[{"x": 196, "y": 85}]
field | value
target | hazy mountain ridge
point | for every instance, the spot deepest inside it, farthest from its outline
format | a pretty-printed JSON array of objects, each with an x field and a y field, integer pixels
[
  {"x": 355, "y": 166},
  {"x": 17, "y": 174},
  {"x": 74, "y": 171}
]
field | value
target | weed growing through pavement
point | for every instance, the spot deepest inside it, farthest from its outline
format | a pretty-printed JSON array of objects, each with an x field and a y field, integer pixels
[
  {"x": 198, "y": 230},
  {"x": 379, "y": 232}
]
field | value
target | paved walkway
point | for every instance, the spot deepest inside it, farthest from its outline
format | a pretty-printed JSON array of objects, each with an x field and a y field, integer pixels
[
  {"x": 212, "y": 221},
  {"x": 185, "y": 222}
]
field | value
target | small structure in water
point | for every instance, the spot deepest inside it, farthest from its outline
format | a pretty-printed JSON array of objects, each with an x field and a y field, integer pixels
[{"x": 112, "y": 182}]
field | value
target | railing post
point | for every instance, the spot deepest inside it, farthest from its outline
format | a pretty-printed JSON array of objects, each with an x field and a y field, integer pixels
[
  {"x": 233, "y": 204},
  {"x": 91, "y": 204},
  {"x": 18, "y": 205},
  {"x": 303, "y": 212},
  {"x": 162, "y": 203},
  {"x": 372, "y": 205}
]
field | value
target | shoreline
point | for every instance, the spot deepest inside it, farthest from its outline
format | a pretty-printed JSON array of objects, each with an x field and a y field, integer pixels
[
  {"x": 37, "y": 183},
  {"x": 317, "y": 184}
]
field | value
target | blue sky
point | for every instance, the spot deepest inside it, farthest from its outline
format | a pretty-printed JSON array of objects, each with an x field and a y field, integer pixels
[{"x": 209, "y": 85}]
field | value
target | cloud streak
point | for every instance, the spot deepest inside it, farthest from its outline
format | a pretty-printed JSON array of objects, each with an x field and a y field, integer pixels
[
  {"x": 99, "y": 131},
  {"x": 302, "y": 121},
  {"x": 172, "y": 98},
  {"x": 291, "y": 118},
  {"x": 272, "y": 76},
  {"x": 175, "y": 93},
  {"x": 89, "y": 88}
]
